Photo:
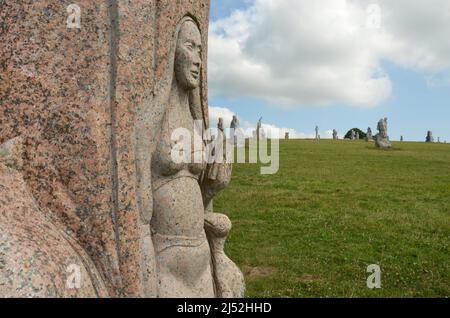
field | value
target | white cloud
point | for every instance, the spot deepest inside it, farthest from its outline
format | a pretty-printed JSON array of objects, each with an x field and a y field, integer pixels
[
  {"x": 322, "y": 52},
  {"x": 220, "y": 112}
]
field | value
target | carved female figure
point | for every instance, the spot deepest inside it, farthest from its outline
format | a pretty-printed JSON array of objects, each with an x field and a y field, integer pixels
[{"x": 187, "y": 239}]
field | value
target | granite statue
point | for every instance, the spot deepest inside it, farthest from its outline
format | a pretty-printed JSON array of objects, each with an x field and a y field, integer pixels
[
  {"x": 335, "y": 134},
  {"x": 93, "y": 204},
  {"x": 369, "y": 134},
  {"x": 259, "y": 129},
  {"x": 236, "y": 133},
  {"x": 234, "y": 127},
  {"x": 430, "y": 137},
  {"x": 382, "y": 138}
]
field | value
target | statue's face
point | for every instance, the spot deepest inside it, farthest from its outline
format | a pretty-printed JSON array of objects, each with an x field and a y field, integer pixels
[{"x": 188, "y": 59}]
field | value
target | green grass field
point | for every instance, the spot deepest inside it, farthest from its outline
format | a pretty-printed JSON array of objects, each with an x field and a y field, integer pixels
[{"x": 334, "y": 208}]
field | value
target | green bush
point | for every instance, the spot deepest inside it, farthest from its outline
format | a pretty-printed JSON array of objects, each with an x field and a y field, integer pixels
[{"x": 362, "y": 134}]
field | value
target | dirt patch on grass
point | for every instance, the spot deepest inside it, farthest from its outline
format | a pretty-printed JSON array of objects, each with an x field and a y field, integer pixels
[{"x": 251, "y": 272}]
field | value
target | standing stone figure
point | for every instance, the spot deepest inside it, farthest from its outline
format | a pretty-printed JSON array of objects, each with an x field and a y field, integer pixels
[
  {"x": 430, "y": 137},
  {"x": 182, "y": 225},
  {"x": 335, "y": 134},
  {"x": 353, "y": 135},
  {"x": 357, "y": 135},
  {"x": 317, "y": 133},
  {"x": 235, "y": 130},
  {"x": 90, "y": 188},
  {"x": 401, "y": 138},
  {"x": 382, "y": 138},
  {"x": 369, "y": 134},
  {"x": 286, "y": 136},
  {"x": 258, "y": 128}
]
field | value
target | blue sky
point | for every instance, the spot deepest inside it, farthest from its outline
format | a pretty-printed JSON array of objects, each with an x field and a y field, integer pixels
[
  {"x": 223, "y": 8},
  {"x": 412, "y": 105}
]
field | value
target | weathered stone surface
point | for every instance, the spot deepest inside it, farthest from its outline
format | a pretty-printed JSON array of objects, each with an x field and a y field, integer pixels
[
  {"x": 369, "y": 136},
  {"x": 236, "y": 133},
  {"x": 382, "y": 138},
  {"x": 430, "y": 137},
  {"x": 78, "y": 99},
  {"x": 37, "y": 257},
  {"x": 335, "y": 134},
  {"x": 55, "y": 96}
]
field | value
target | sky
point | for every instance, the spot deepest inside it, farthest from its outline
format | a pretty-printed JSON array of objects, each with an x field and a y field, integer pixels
[{"x": 337, "y": 64}]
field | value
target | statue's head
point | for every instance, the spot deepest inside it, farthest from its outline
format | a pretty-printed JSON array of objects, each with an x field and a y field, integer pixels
[{"x": 188, "y": 56}]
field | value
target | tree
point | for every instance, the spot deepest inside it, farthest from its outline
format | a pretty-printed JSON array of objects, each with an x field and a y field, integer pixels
[{"x": 362, "y": 134}]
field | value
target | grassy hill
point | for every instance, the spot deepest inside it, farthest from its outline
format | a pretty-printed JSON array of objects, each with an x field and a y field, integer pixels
[{"x": 336, "y": 207}]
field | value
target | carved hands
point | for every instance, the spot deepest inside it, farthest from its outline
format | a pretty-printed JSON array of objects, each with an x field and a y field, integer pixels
[{"x": 217, "y": 178}]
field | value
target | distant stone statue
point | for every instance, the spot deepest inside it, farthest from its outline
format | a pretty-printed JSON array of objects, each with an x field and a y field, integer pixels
[
  {"x": 234, "y": 123},
  {"x": 382, "y": 138},
  {"x": 430, "y": 137},
  {"x": 401, "y": 138},
  {"x": 286, "y": 136},
  {"x": 258, "y": 128},
  {"x": 439, "y": 139},
  {"x": 235, "y": 133},
  {"x": 317, "y": 133},
  {"x": 369, "y": 134},
  {"x": 335, "y": 134},
  {"x": 353, "y": 135},
  {"x": 357, "y": 135}
]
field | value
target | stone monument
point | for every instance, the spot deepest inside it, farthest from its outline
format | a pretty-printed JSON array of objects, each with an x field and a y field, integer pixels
[
  {"x": 258, "y": 128},
  {"x": 286, "y": 136},
  {"x": 317, "y": 133},
  {"x": 335, "y": 134},
  {"x": 430, "y": 137},
  {"x": 382, "y": 138},
  {"x": 235, "y": 130},
  {"x": 369, "y": 134},
  {"x": 357, "y": 135},
  {"x": 401, "y": 138},
  {"x": 91, "y": 203},
  {"x": 353, "y": 135}
]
